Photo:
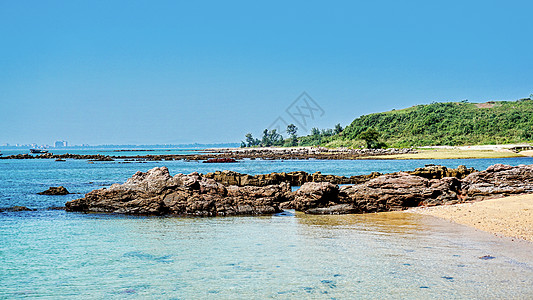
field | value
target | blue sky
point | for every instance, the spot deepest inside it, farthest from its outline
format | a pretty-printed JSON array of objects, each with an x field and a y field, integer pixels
[{"x": 102, "y": 72}]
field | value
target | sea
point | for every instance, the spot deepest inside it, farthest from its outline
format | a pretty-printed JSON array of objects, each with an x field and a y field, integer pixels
[{"x": 53, "y": 254}]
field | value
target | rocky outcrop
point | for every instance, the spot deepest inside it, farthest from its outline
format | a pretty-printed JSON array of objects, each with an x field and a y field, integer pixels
[
  {"x": 55, "y": 190},
  {"x": 399, "y": 191},
  {"x": 299, "y": 178},
  {"x": 439, "y": 172},
  {"x": 497, "y": 181},
  {"x": 157, "y": 193},
  {"x": 385, "y": 193},
  {"x": 403, "y": 190}
]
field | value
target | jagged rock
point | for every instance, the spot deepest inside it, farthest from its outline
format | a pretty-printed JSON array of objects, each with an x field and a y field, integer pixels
[
  {"x": 497, "y": 181},
  {"x": 156, "y": 192},
  {"x": 387, "y": 192},
  {"x": 296, "y": 178},
  {"x": 299, "y": 178},
  {"x": 55, "y": 190},
  {"x": 399, "y": 191}
]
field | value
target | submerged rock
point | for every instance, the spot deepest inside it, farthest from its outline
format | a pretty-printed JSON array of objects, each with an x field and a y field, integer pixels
[
  {"x": 156, "y": 192},
  {"x": 55, "y": 190},
  {"x": 16, "y": 208}
]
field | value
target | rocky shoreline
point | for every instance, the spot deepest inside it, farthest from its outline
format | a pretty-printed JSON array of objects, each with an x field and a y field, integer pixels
[
  {"x": 156, "y": 192},
  {"x": 226, "y": 155},
  {"x": 299, "y": 178}
]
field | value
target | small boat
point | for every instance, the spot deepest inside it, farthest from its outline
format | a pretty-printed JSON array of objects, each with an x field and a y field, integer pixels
[
  {"x": 38, "y": 151},
  {"x": 59, "y": 159}
]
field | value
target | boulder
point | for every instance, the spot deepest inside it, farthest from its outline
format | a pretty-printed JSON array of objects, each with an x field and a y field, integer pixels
[
  {"x": 315, "y": 195},
  {"x": 55, "y": 190}
]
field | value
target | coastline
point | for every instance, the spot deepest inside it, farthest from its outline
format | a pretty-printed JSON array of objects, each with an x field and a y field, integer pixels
[
  {"x": 304, "y": 153},
  {"x": 509, "y": 216}
]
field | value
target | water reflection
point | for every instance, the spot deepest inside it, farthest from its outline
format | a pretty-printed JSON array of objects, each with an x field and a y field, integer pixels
[{"x": 386, "y": 222}]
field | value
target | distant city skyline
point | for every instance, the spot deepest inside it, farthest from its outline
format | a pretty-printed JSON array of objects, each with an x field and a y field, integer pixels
[{"x": 171, "y": 72}]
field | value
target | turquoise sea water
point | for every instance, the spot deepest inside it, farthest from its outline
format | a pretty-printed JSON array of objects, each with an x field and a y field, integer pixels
[{"x": 54, "y": 254}]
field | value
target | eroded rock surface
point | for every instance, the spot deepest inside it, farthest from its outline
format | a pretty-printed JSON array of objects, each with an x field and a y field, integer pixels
[
  {"x": 156, "y": 192},
  {"x": 498, "y": 181}
]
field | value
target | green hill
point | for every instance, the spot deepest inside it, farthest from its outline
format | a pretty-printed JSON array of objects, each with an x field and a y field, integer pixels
[{"x": 452, "y": 123}]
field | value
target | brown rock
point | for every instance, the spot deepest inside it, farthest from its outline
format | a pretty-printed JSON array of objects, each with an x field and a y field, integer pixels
[
  {"x": 439, "y": 172},
  {"x": 16, "y": 208},
  {"x": 53, "y": 190},
  {"x": 497, "y": 181},
  {"x": 156, "y": 192},
  {"x": 315, "y": 194}
]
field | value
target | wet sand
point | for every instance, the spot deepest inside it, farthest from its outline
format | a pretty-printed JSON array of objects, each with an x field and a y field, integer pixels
[{"x": 510, "y": 216}]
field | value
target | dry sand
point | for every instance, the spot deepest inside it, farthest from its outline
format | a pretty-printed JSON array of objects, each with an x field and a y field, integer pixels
[
  {"x": 509, "y": 216},
  {"x": 527, "y": 153}
]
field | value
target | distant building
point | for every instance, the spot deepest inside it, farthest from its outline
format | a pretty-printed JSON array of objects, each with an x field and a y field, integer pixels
[{"x": 60, "y": 144}]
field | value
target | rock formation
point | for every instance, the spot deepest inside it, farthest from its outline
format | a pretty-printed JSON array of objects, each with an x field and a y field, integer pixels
[
  {"x": 498, "y": 181},
  {"x": 156, "y": 192},
  {"x": 403, "y": 190},
  {"x": 55, "y": 190},
  {"x": 298, "y": 178}
]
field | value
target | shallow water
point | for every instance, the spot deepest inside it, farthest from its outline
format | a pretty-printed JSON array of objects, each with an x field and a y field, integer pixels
[{"x": 55, "y": 254}]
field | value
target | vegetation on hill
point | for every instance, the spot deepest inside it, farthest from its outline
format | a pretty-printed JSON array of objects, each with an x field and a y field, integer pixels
[{"x": 453, "y": 123}]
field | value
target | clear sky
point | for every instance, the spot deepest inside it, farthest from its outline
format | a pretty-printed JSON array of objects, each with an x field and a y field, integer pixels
[{"x": 117, "y": 72}]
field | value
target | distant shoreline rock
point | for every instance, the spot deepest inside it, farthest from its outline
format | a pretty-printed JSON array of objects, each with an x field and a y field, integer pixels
[
  {"x": 55, "y": 190},
  {"x": 16, "y": 209},
  {"x": 235, "y": 154},
  {"x": 157, "y": 193}
]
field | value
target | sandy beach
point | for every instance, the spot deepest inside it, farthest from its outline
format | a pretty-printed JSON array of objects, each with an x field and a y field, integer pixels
[{"x": 510, "y": 216}]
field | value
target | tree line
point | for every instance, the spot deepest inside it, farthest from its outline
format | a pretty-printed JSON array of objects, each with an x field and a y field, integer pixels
[{"x": 275, "y": 138}]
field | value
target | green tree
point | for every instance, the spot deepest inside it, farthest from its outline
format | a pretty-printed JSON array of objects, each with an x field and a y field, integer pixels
[
  {"x": 250, "y": 141},
  {"x": 265, "y": 140},
  {"x": 271, "y": 138},
  {"x": 338, "y": 129},
  {"x": 371, "y": 137},
  {"x": 292, "y": 131}
]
